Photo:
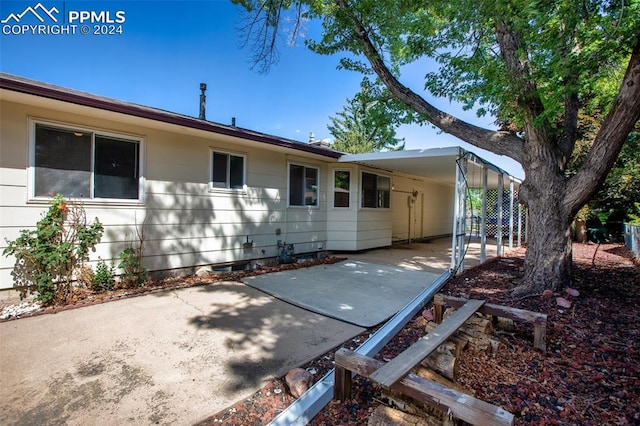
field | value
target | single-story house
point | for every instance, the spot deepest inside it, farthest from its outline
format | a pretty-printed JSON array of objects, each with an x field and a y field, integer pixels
[{"x": 208, "y": 194}]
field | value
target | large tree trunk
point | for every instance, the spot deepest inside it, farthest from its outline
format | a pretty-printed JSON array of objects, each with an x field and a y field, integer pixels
[{"x": 548, "y": 259}]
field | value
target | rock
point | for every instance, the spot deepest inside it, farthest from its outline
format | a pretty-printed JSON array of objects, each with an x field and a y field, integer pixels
[
  {"x": 15, "y": 311},
  {"x": 299, "y": 381},
  {"x": 547, "y": 294},
  {"x": 427, "y": 314},
  {"x": 562, "y": 302},
  {"x": 203, "y": 271},
  {"x": 572, "y": 292}
]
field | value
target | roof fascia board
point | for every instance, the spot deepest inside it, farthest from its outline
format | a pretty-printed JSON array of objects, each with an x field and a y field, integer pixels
[{"x": 413, "y": 153}]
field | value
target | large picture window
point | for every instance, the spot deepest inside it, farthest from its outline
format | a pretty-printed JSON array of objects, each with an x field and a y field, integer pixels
[
  {"x": 227, "y": 170},
  {"x": 341, "y": 186},
  {"x": 84, "y": 164},
  {"x": 376, "y": 191},
  {"x": 303, "y": 185}
]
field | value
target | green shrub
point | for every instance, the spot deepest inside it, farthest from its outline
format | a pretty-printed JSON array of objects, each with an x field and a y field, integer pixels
[
  {"x": 104, "y": 276},
  {"x": 47, "y": 256},
  {"x": 634, "y": 219},
  {"x": 133, "y": 272}
]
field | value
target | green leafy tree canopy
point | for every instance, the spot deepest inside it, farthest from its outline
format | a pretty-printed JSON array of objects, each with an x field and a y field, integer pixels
[
  {"x": 366, "y": 123},
  {"x": 535, "y": 65}
]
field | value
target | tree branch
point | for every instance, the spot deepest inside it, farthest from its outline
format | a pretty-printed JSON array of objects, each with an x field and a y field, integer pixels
[
  {"x": 620, "y": 121},
  {"x": 263, "y": 25},
  {"x": 510, "y": 43},
  {"x": 499, "y": 142}
]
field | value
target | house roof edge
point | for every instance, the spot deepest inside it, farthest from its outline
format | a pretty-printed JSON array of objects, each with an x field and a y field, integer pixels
[{"x": 50, "y": 91}]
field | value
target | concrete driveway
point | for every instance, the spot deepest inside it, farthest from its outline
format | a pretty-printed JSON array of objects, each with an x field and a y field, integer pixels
[{"x": 174, "y": 357}]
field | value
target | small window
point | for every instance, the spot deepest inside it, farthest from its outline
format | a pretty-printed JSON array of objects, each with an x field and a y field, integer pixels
[
  {"x": 376, "y": 191},
  {"x": 341, "y": 185},
  {"x": 227, "y": 170},
  {"x": 303, "y": 185},
  {"x": 84, "y": 164},
  {"x": 116, "y": 168}
]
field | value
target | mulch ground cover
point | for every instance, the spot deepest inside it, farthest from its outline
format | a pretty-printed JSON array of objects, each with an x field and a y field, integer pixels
[{"x": 589, "y": 374}]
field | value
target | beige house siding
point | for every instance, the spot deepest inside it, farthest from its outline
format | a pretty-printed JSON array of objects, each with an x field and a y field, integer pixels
[
  {"x": 438, "y": 208},
  {"x": 357, "y": 228},
  {"x": 185, "y": 224}
]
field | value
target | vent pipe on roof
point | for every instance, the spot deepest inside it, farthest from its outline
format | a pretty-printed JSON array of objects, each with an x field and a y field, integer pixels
[
  {"x": 233, "y": 121},
  {"x": 203, "y": 101},
  {"x": 312, "y": 138}
]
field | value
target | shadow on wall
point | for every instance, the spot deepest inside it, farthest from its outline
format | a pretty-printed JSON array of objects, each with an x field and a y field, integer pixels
[{"x": 186, "y": 226}]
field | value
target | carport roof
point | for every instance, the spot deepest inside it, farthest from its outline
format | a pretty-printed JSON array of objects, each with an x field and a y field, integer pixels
[{"x": 438, "y": 164}]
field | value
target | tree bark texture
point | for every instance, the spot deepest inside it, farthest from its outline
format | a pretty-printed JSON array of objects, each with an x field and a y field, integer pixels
[{"x": 548, "y": 257}]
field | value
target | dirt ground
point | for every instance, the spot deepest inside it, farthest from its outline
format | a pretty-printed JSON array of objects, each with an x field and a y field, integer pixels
[{"x": 589, "y": 374}]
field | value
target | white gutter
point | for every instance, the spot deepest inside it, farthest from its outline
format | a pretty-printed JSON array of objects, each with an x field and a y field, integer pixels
[{"x": 305, "y": 408}]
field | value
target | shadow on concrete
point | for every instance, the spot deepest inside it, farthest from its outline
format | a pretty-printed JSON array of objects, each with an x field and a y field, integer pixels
[{"x": 268, "y": 336}]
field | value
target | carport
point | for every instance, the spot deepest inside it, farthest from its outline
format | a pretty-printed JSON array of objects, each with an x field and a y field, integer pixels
[{"x": 485, "y": 197}]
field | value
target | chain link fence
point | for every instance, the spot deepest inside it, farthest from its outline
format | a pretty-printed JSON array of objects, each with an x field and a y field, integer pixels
[{"x": 474, "y": 213}]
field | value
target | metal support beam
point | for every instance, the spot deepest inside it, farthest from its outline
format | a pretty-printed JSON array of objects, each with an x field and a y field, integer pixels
[
  {"x": 459, "y": 216},
  {"x": 462, "y": 217},
  {"x": 454, "y": 231},
  {"x": 500, "y": 213},
  {"x": 511, "y": 209},
  {"x": 483, "y": 215},
  {"x": 519, "y": 224}
]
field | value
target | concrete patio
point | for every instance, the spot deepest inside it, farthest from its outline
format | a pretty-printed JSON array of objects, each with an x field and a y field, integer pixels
[{"x": 173, "y": 357}]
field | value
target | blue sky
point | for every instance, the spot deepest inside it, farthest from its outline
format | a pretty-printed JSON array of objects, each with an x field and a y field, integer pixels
[{"x": 167, "y": 48}]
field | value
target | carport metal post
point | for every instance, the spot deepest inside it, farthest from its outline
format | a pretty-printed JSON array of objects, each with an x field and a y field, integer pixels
[
  {"x": 483, "y": 215},
  {"x": 519, "y": 223},
  {"x": 511, "y": 206},
  {"x": 499, "y": 219},
  {"x": 459, "y": 214}
]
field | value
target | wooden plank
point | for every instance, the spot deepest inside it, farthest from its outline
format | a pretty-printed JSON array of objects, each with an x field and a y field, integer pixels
[
  {"x": 463, "y": 406},
  {"x": 540, "y": 336},
  {"x": 387, "y": 416},
  {"x": 342, "y": 384},
  {"x": 515, "y": 314},
  {"x": 393, "y": 371},
  {"x": 437, "y": 310},
  {"x": 538, "y": 319}
]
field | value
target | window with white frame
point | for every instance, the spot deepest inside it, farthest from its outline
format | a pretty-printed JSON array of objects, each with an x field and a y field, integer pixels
[
  {"x": 341, "y": 188},
  {"x": 227, "y": 170},
  {"x": 376, "y": 191},
  {"x": 83, "y": 163},
  {"x": 303, "y": 185}
]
